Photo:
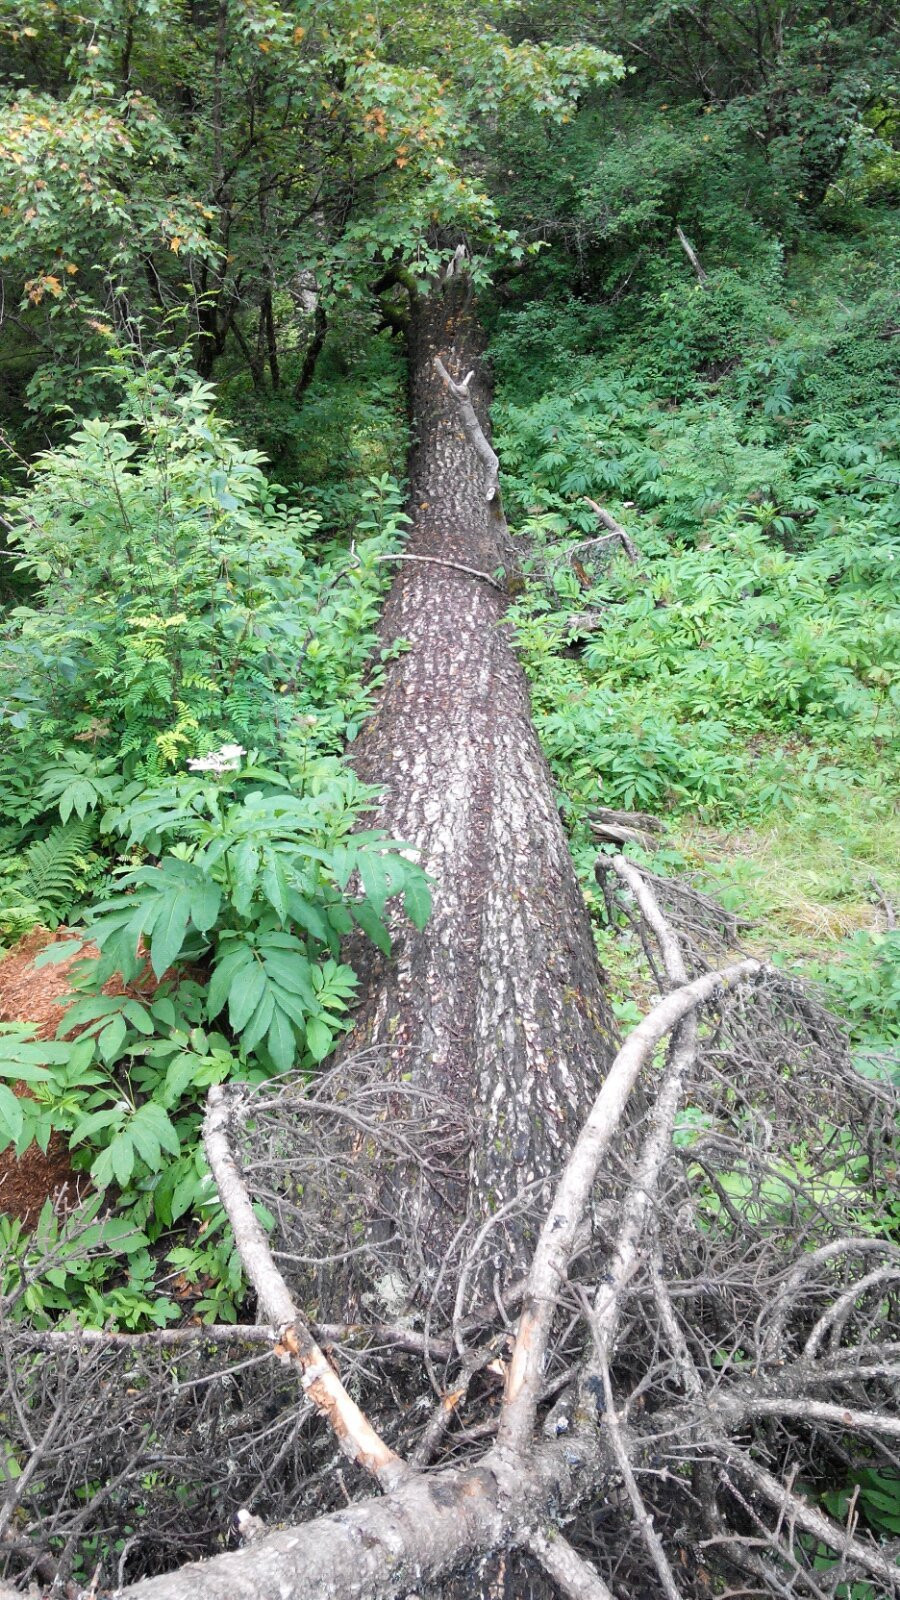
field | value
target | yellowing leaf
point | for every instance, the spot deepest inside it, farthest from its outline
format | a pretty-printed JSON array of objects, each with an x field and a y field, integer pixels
[
  {"x": 265, "y": 45},
  {"x": 299, "y": 33},
  {"x": 175, "y": 244}
]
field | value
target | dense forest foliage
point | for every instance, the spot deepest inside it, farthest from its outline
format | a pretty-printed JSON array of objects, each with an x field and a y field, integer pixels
[{"x": 682, "y": 225}]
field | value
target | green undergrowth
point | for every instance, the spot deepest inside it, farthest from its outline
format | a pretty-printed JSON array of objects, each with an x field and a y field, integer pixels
[
  {"x": 739, "y": 679},
  {"x": 194, "y": 652}
]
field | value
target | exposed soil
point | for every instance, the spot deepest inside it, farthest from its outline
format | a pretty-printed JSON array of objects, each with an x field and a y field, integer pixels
[{"x": 29, "y": 994}]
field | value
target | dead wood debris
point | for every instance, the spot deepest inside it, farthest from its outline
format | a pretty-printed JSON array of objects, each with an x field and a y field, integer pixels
[{"x": 707, "y": 1339}]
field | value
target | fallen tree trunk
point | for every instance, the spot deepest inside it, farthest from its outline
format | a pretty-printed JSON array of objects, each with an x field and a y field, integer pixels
[{"x": 497, "y": 1003}]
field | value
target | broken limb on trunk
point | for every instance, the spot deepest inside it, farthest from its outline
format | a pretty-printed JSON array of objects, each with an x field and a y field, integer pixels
[{"x": 477, "y": 438}]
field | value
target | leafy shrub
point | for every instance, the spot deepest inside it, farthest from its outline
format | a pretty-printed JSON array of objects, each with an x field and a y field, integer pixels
[
  {"x": 178, "y": 593},
  {"x": 246, "y": 882}
]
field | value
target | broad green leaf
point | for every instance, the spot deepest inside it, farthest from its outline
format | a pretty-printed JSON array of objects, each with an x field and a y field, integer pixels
[
  {"x": 309, "y": 917},
  {"x": 275, "y": 887},
  {"x": 96, "y": 1122},
  {"x": 259, "y": 1022},
  {"x": 291, "y": 972},
  {"x": 376, "y": 879},
  {"x": 206, "y": 900},
  {"x": 281, "y": 1040},
  {"x": 236, "y": 958},
  {"x": 138, "y": 1016},
  {"x": 111, "y": 1039},
  {"x": 120, "y": 1235},
  {"x": 121, "y": 1155},
  {"x": 245, "y": 994},
  {"x": 169, "y": 931},
  {"x": 319, "y": 1038},
  {"x": 184, "y": 1195},
  {"x": 417, "y": 902},
  {"x": 244, "y": 864},
  {"x": 53, "y": 954},
  {"x": 153, "y": 1115},
  {"x": 372, "y": 925},
  {"x": 11, "y": 1116}
]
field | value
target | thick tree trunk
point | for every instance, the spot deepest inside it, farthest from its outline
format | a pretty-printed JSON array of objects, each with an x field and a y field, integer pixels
[{"x": 497, "y": 1003}]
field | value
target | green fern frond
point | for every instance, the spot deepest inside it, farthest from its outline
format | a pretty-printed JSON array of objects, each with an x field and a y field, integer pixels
[{"x": 53, "y": 869}]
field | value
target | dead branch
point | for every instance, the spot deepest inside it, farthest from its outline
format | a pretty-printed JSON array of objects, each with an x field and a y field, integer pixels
[
  {"x": 607, "y": 520},
  {"x": 486, "y": 455},
  {"x": 569, "y": 1571},
  {"x": 454, "y": 566},
  {"x": 641, "y": 1198},
  {"x": 692, "y": 256},
  {"x": 815, "y": 1522},
  {"x": 319, "y": 1381},
  {"x": 554, "y": 1247},
  {"x": 642, "y": 1516}
]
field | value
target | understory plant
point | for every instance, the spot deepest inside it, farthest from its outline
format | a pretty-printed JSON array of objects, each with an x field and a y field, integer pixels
[
  {"x": 219, "y": 958},
  {"x": 183, "y": 610}
]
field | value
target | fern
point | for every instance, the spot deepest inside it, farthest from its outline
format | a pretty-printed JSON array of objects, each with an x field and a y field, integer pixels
[{"x": 53, "y": 869}]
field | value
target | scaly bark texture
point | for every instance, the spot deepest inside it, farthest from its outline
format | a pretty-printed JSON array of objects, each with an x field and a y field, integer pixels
[{"x": 498, "y": 1001}]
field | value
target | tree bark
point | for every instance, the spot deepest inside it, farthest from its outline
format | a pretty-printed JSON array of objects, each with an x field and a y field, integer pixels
[{"x": 498, "y": 1002}]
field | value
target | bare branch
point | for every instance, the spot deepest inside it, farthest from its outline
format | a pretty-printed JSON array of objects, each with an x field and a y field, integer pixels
[
  {"x": 692, "y": 256},
  {"x": 836, "y": 1314},
  {"x": 320, "y": 1382},
  {"x": 642, "y": 1516},
  {"x": 569, "y": 1571},
  {"x": 641, "y": 1197},
  {"x": 737, "y": 1408},
  {"x": 455, "y": 566},
  {"x": 815, "y": 1522},
  {"x": 771, "y": 1342},
  {"x": 486, "y": 455},
  {"x": 606, "y": 520},
  {"x": 554, "y": 1247}
]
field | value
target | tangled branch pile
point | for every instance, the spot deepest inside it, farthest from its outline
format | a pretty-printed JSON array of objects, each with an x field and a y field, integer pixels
[{"x": 675, "y": 1398}]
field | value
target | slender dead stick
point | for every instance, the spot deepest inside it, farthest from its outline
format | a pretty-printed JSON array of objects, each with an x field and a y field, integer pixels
[
  {"x": 606, "y": 520},
  {"x": 640, "y": 1198},
  {"x": 813, "y": 1521},
  {"x": 455, "y": 566},
  {"x": 352, "y": 1429},
  {"x": 642, "y": 1516},
  {"x": 557, "y": 1238}
]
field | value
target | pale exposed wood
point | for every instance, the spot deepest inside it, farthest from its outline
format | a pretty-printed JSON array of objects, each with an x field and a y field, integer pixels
[
  {"x": 486, "y": 454},
  {"x": 692, "y": 256},
  {"x": 352, "y": 1429},
  {"x": 554, "y": 1247},
  {"x": 607, "y": 520},
  {"x": 571, "y": 1574}
]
